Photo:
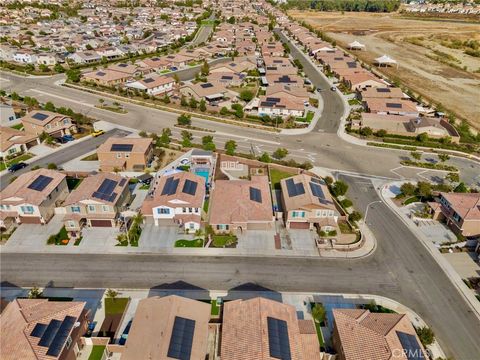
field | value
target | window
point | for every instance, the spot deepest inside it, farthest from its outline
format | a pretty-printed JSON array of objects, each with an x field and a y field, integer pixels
[
  {"x": 456, "y": 217},
  {"x": 75, "y": 209},
  {"x": 127, "y": 155},
  {"x": 105, "y": 208},
  {"x": 163, "y": 211},
  {"x": 91, "y": 208},
  {"x": 330, "y": 213},
  {"x": 11, "y": 118},
  {"x": 190, "y": 210},
  {"x": 12, "y": 150},
  {"x": 191, "y": 226},
  {"x": 47, "y": 126},
  {"x": 298, "y": 214},
  {"x": 68, "y": 343},
  {"x": 66, "y": 121},
  {"x": 184, "y": 210},
  {"x": 119, "y": 155},
  {"x": 27, "y": 209}
]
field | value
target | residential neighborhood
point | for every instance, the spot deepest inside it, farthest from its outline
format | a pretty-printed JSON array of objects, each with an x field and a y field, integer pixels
[{"x": 234, "y": 180}]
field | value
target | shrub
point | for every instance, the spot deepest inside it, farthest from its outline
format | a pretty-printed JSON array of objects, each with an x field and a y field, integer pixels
[
  {"x": 346, "y": 203},
  {"x": 339, "y": 188},
  {"x": 354, "y": 216}
]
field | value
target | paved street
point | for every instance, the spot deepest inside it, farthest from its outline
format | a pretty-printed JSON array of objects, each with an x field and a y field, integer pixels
[{"x": 401, "y": 268}]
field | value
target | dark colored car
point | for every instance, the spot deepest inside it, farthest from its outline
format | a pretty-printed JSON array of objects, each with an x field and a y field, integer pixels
[
  {"x": 61, "y": 140},
  {"x": 17, "y": 166},
  {"x": 68, "y": 137}
]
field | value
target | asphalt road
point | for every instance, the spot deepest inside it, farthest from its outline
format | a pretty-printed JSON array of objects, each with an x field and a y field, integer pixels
[
  {"x": 64, "y": 155},
  {"x": 401, "y": 269}
]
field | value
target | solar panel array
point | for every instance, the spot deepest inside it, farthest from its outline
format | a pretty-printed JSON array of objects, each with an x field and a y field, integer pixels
[
  {"x": 101, "y": 73},
  {"x": 39, "y": 116},
  {"x": 227, "y": 77},
  {"x": 207, "y": 85},
  {"x": 122, "y": 65},
  {"x": 255, "y": 195},
  {"x": 294, "y": 189},
  {"x": 278, "y": 339},
  {"x": 38, "y": 330},
  {"x": 351, "y": 65},
  {"x": 317, "y": 191},
  {"x": 61, "y": 336},
  {"x": 182, "y": 338},
  {"x": 383, "y": 90},
  {"x": 49, "y": 333},
  {"x": 105, "y": 191},
  {"x": 148, "y": 81},
  {"x": 121, "y": 147},
  {"x": 189, "y": 187},
  {"x": 122, "y": 182},
  {"x": 170, "y": 186},
  {"x": 411, "y": 346},
  {"x": 40, "y": 183},
  {"x": 394, "y": 105}
]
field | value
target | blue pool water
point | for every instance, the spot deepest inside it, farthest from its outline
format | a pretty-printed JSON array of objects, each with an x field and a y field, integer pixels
[{"x": 203, "y": 172}]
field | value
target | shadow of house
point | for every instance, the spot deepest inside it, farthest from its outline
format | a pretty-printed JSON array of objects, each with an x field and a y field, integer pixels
[
  {"x": 252, "y": 290},
  {"x": 180, "y": 288}
]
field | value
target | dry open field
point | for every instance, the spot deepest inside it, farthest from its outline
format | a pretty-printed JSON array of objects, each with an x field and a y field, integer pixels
[{"x": 437, "y": 72}]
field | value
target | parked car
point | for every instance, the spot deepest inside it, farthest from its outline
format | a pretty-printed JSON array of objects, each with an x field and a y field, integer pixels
[
  {"x": 68, "y": 137},
  {"x": 17, "y": 166},
  {"x": 98, "y": 133},
  {"x": 319, "y": 90},
  {"x": 307, "y": 82},
  {"x": 333, "y": 88},
  {"x": 61, "y": 140}
]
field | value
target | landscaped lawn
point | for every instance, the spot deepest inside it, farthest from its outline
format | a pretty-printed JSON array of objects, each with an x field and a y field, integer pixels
[
  {"x": 205, "y": 205},
  {"x": 91, "y": 157},
  {"x": 115, "y": 305},
  {"x": 14, "y": 161},
  {"x": 61, "y": 238},
  {"x": 277, "y": 175},
  {"x": 97, "y": 352},
  {"x": 345, "y": 228},
  {"x": 215, "y": 310},
  {"x": 411, "y": 200},
  {"x": 189, "y": 243},
  {"x": 308, "y": 118},
  {"x": 17, "y": 127},
  {"x": 221, "y": 241}
]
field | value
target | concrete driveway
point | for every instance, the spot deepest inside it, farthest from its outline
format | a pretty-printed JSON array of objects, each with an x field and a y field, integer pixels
[
  {"x": 257, "y": 240},
  {"x": 34, "y": 236},
  {"x": 303, "y": 240},
  {"x": 99, "y": 239},
  {"x": 158, "y": 237}
]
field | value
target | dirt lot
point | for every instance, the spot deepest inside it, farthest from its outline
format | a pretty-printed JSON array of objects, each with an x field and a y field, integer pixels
[{"x": 426, "y": 63}]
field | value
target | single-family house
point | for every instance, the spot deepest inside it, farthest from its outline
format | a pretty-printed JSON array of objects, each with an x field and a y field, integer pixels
[
  {"x": 87, "y": 57},
  {"x": 307, "y": 203},
  {"x": 125, "y": 154},
  {"x": 96, "y": 202},
  {"x": 381, "y": 92},
  {"x": 209, "y": 91},
  {"x": 176, "y": 199},
  {"x": 32, "y": 197},
  {"x": 281, "y": 104},
  {"x": 14, "y": 142},
  {"x": 54, "y": 124},
  {"x": 391, "y": 106},
  {"x": 239, "y": 205},
  {"x": 158, "y": 85},
  {"x": 106, "y": 77}
]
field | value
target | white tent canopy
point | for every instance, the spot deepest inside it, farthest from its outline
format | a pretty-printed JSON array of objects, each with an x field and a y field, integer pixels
[
  {"x": 325, "y": 48},
  {"x": 385, "y": 60},
  {"x": 356, "y": 45}
]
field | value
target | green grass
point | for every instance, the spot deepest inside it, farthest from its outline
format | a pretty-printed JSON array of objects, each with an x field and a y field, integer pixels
[
  {"x": 411, "y": 200},
  {"x": 115, "y": 306},
  {"x": 15, "y": 160},
  {"x": 277, "y": 175},
  {"x": 17, "y": 127},
  {"x": 220, "y": 241},
  {"x": 308, "y": 118},
  {"x": 72, "y": 183},
  {"x": 319, "y": 333},
  {"x": 57, "y": 238},
  {"x": 91, "y": 157},
  {"x": 345, "y": 228},
  {"x": 144, "y": 187},
  {"x": 166, "y": 71},
  {"x": 97, "y": 352},
  {"x": 354, "y": 102},
  {"x": 215, "y": 309},
  {"x": 189, "y": 243},
  {"x": 77, "y": 242},
  {"x": 205, "y": 205}
]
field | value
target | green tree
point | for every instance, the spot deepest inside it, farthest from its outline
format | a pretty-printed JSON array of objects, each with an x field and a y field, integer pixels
[
  {"x": 319, "y": 313},
  {"x": 424, "y": 189},
  {"x": 202, "y": 106},
  {"x": 230, "y": 147},
  {"x": 224, "y": 111},
  {"x": 416, "y": 155},
  {"x": 187, "y": 138},
  {"x": 408, "y": 189},
  {"x": 238, "y": 110},
  {"x": 422, "y": 137},
  {"x": 381, "y": 133},
  {"x": 443, "y": 157},
  {"x": 35, "y": 293},
  {"x": 15, "y": 96},
  {"x": 183, "y": 101},
  {"x": 165, "y": 138},
  {"x": 73, "y": 75},
  {"x": 339, "y": 188},
  {"x": 59, "y": 68},
  {"x": 44, "y": 68},
  {"x": 280, "y": 153},
  {"x": 209, "y": 146},
  {"x": 426, "y": 335},
  {"x": 246, "y": 95},
  {"x": 52, "y": 166},
  {"x": 453, "y": 177},
  {"x": 49, "y": 106},
  {"x": 329, "y": 180},
  {"x": 205, "y": 69},
  {"x": 265, "y": 158},
  {"x": 354, "y": 216},
  {"x": 111, "y": 293},
  {"x": 461, "y": 188},
  {"x": 207, "y": 139},
  {"x": 193, "y": 103},
  {"x": 184, "y": 120},
  {"x": 366, "y": 131}
]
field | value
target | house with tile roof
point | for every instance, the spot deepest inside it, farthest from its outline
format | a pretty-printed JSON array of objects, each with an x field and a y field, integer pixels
[
  {"x": 264, "y": 329},
  {"x": 176, "y": 199},
  {"x": 239, "y": 205},
  {"x": 14, "y": 142},
  {"x": 54, "y": 124},
  {"x": 361, "y": 335},
  {"x": 32, "y": 197},
  {"x": 106, "y": 77},
  {"x": 170, "y": 327},
  {"x": 125, "y": 154},
  {"x": 39, "y": 329},
  {"x": 307, "y": 203},
  {"x": 96, "y": 202},
  {"x": 461, "y": 212}
]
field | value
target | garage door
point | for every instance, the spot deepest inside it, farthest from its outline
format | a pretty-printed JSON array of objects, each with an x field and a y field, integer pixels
[
  {"x": 101, "y": 223},
  {"x": 299, "y": 225},
  {"x": 30, "y": 220}
]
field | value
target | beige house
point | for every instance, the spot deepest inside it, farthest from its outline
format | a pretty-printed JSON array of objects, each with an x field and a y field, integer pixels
[
  {"x": 169, "y": 327},
  {"x": 360, "y": 334},
  {"x": 96, "y": 202},
  {"x": 239, "y": 205},
  {"x": 106, "y": 77},
  {"x": 125, "y": 154},
  {"x": 461, "y": 212},
  {"x": 32, "y": 197},
  {"x": 54, "y": 124},
  {"x": 264, "y": 329},
  {"x": 307, "y": 203},
  {"x": 14, "y": 142}
]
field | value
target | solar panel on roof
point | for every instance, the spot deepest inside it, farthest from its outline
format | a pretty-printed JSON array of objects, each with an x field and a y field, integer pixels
[
  {"x": 278, "y": 341},
  {"x": 122, "y": 182},
  {"x": 181, "y": 339},
  {"x": 149, "y": 80},
  {"x": 383, "y": 90},
  {"x": 410, "y": 344},
  {"x": 40, "y": 183},
  {"x": 227, "y": 77},
  {"x": 49, "y": 333},
  {"x": 39, "y": 116},
  {"x": 189, "y": 187},
  {"x": 207, "y": 85},
  {"x": 317, "y": 190},
  {"x": 122, "y": 65},
  {"x": 101, "y": 73},
  {"x": 273, "y": 99},
  {"x": 255, "y": 195},
  {"x": 61, "y": 336},
  {"x": 121, "y": 147},
  {"x": 352, "y": 65},
  {"x": 105, "y": 191},
  {"x": 170, "y": 186},
  {"x": 38, "y": 330},
  {"x": 316, "y": 180},
  {"x": 394, "y": 105}
]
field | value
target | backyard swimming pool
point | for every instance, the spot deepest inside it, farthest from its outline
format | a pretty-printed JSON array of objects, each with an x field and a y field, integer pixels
[{"x": 204, "y": 173}]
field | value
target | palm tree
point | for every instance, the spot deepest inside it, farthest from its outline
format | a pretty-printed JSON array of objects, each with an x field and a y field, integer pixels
[{"x": 318, "y": 313}]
